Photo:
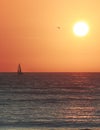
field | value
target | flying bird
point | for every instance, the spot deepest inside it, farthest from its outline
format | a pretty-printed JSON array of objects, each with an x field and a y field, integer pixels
[{"x": 58, "y": 27}]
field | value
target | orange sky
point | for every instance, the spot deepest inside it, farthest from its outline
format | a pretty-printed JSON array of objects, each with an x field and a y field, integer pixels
[{"x": 29, "y": 35}]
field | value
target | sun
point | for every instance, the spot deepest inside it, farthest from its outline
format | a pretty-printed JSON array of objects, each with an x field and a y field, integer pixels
[{"x": 81, "y": 29}]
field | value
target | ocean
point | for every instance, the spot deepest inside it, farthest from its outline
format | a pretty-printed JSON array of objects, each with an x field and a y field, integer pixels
[{"x": 49, "y": 101}]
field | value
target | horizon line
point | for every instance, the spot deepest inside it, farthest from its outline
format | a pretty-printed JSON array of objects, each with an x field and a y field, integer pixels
[{"x": 52, "y": 72}]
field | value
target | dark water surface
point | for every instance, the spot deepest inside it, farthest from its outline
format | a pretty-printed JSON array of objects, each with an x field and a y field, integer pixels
[{"x": 51, "y": 100}]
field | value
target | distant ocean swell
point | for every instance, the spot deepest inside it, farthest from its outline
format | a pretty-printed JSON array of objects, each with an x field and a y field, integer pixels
[{"x": 51, "y": 100}]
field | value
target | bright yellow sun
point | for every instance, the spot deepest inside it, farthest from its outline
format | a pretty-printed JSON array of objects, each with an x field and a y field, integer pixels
[{"x": 81, "y": 29}]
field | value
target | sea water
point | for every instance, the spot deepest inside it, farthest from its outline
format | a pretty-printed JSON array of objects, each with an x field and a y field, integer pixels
[{"x": 49, "y": 101}]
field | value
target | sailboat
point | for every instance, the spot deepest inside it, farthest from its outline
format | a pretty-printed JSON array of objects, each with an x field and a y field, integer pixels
[{"x": 19, "y": 69}]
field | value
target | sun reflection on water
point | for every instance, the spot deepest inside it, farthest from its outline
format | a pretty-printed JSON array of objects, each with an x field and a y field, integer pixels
[{"x": 79, "y": 111}]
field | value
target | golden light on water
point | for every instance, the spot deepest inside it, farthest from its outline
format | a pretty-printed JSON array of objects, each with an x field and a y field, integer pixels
[{"x": 81, "y": 29}]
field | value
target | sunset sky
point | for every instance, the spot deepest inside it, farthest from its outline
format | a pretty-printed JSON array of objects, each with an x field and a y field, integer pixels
[{"x": 29, "y": 35}]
